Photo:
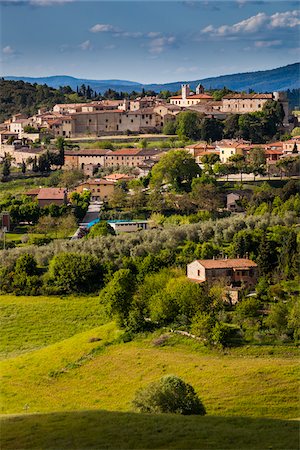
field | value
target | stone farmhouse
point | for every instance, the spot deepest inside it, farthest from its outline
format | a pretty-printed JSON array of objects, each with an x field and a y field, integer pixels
[{"x": 237, "y": 274}]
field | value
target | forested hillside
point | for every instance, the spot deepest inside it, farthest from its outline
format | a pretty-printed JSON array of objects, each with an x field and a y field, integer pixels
[{"x": 26, "y": 98}]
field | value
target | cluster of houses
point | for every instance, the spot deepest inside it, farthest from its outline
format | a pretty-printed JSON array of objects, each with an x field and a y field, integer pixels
[
  {"x": 235, "y": 103},
  {"x": 142, "y": 115}
]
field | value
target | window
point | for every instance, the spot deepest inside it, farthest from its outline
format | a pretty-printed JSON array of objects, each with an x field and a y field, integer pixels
[{"x": 199, "y": 273}]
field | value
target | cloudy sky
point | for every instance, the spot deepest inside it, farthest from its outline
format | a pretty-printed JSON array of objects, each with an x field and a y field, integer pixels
[{"x": 146, "y": 41}]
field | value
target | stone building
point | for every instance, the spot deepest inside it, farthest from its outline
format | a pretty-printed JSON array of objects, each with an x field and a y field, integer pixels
[
  {"x": 188, "y": 98},
  {"x": 237, "y": 274}
]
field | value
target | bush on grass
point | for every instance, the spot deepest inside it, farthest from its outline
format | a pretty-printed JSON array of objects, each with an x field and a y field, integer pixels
[{"x": 168, "y": 395}]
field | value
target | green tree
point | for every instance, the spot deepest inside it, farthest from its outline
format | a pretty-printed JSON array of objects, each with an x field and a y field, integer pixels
[
  {"x": 60, "y": 145},
  {"x": 209, "y": 161},
  {"x": 25, "y": 277},
  {"x": 6, "y": 165},
  {"x": 168, "y": 395},
  {"x": 231, "y": 126},
  {"x": 205, "y": 195},
  {"x": 257, "y": 160},
  {"x": 169, "y": 127},
  {"x": 35, "y": 167},
  {"x": 75, "y": 272},
  {"x": 211, "y": 129},
  {"x": 102, "y": 228},
  {"x": 44, "y": 162},
  {"x": 177, "y": 168},
  {"x": 188, "y": 125},
  {"x": 265, "y": 259},
  {"x": 239, "y": 162},
  {"x": 117, "y": 295},
  {"x": 23, "y": 167},
  {"x": 288, "y": 260}
]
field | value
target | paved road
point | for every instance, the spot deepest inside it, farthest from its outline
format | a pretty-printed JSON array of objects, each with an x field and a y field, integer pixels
[{"x": 92, "y": 213}]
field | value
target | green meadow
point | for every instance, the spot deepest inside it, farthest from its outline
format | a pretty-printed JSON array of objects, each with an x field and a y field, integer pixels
[{"x": 68, "y": 381}]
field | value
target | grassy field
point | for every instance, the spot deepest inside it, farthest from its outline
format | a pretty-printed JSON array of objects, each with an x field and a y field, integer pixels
[
  {"x": 68, "y": 383},
  {"x": 29, "y": 323},
  {"x": 114, "y": 430},
  {"x": 19, "y": 186}
]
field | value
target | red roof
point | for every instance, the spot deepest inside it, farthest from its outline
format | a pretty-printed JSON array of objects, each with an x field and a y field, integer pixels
[
  {"x": 273, "y": 152},
  {"x": 126, "y": 151},
  {"x": 98, "y": 181},
  {"x": 51, "y": 194},
  {"x": 194, "y": 96},
  {"x": 88, "y": 152},
  {"x": 238, "y": 263},
  {"x": 250, "y": 96}
]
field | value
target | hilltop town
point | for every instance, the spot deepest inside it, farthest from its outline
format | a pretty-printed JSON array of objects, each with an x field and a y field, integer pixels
[{"x": 146, "y": 234}]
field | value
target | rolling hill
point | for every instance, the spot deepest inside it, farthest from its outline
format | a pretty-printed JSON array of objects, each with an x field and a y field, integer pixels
[
  {"x": 281, "y": 78},
  {"x": 70, "y": 385}
]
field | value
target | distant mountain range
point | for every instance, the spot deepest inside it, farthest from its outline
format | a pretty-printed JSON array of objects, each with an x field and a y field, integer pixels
[{"x": 280, "y": 79}]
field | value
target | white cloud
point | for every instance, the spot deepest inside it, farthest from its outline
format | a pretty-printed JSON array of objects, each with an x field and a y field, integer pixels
[
  {"x": 288, "y": 19},
  {"x": 86, "y": 45},
  {"x": 253, "y": 24},
  {"x": 267, "y": 44},
  {"x": 48, "y": 2},
  {"x": 159, "y": 45},
  {"x": 8, "y": 50},
  {"x": 153, "y": 34},
  {"x": 103, "y": 28},
  {"x": 129, "y": 34}
]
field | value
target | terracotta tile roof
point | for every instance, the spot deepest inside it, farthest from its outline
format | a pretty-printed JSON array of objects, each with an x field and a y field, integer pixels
[
  {"x": 51, "y": 194},
  {"x": 199, "y": 152},
  {"x": 231, "y": 143},
  {"x": 241, "y": 263},
  {"x": 33, "y": 191},
  {"x": 117, "y": 176},
  {"x": 194, "y": 96},
  {"x": 102, "y": 111},
  {"x": 88, "y": 152},
  {"x": 126, "y": 151},
  {"x": 273, "y": 152},
  {"x": 250, "y": 96},
  {"x": 98, "y": 181}
]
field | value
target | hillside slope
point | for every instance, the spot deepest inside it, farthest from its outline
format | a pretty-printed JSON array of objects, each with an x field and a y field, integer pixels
[
  {"x": 95, "y": 369},
  {"x": 75, "y": 390},
  {"x": 113, "y": 430},
  {"x": 282, "y": 78}
]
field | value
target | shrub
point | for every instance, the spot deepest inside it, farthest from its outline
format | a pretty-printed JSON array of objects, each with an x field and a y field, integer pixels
[
  {"x": 168, "y": 395},
  {"x": 75, "y": 272}
]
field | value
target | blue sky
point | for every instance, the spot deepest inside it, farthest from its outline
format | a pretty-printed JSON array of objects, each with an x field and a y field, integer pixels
[{"x": 157, "y": 41}]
